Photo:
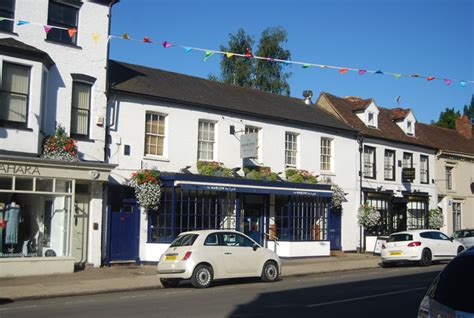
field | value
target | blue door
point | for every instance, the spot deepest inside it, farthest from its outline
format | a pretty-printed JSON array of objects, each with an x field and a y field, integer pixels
[
  {"x": 124, "y": 233},
  {"x": 335, "y": 229}
]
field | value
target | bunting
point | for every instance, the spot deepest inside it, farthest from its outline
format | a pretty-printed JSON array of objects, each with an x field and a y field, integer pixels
[{"x": 96, "y": 38}]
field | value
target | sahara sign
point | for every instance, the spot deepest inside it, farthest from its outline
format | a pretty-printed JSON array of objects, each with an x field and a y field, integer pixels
[{"x": 26, "y": 170}]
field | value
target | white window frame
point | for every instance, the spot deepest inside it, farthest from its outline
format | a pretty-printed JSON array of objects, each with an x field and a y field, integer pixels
[
  {"x": 449, "y": 177},
  {"x": 291, "y": 149},
  {"x": 389, "y": 165},
  {"x": 457, "y": 216},
  {"x": 410, "y": 128},
  {"x": 146, "y": 151},
  {"x": 371, "y": 123},
  {"x": 209, "y": 141},
  {"x": 249, "y": 129},
  {"x": 327, "y": 157},
  {"x": 370, "y": 165},
  {"x": 424, "y": 170}
]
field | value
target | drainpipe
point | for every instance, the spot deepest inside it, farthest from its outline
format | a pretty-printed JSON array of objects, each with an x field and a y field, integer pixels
[{"x": 360, "y": 141}]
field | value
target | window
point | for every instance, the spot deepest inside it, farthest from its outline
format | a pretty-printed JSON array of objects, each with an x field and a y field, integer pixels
[
  {"x": 80, "y": 114},
  {"x": 212, "y": 240},
  {"x": 326, "y": 154},
  {"x": 456, "y": 216},
  {"x": 154, "y": 134},
  {"x": 254, "y": 130},
  {"x": 369, "y": 162},
  {"x": 235, "y": 239},
  {"x": 389, "y": 165},
  {"x": 206, "y": 140},
  {"x": 410, "y": 128},
  {"x": 64, "y": 16},
  {"x": 387, "y": 222},
  {"x": 14, "y": 95},
  {"x": 400, "y": 238},
  {"x": 424, "y": 169},
  {"x": 291, "y": 149},
  {"x": 417, "y": 215},
  {"x": 184, "y": 240},
  {"x": 449, "y": 178},
  {"x": 7, "y": 10},
  {"x": 407, "y": 160},
  {"x": 371, "y": 121}
]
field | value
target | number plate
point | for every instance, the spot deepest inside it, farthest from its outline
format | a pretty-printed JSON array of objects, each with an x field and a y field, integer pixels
[
  {"x": 170, "y": 257},
  {"x": 395, "y": 253}
]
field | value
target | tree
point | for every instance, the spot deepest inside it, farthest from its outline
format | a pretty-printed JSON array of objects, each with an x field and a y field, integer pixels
[
  {"x": 469, "y": 109},
  {"x": 447, "y": 118},
  {"x": 269, "y": 75}
]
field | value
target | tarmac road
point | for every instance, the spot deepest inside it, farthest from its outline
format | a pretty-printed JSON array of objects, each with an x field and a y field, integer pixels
[{"x": 394, "y": 292}]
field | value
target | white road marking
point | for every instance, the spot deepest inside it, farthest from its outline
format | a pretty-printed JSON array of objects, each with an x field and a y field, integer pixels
[
  {"x": 20, "y": 307},
  {"x": 366, "y": 297}
]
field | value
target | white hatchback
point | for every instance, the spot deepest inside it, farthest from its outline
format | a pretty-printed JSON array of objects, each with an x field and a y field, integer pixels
[
  {"x": 423, "y": 246},
  {"x": 204, "y": 256}
]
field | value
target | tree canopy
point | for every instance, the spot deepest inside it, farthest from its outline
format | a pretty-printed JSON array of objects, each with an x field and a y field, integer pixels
[
  {"x": 469, "y": 109},
  {"x": 447, "y": 118}
]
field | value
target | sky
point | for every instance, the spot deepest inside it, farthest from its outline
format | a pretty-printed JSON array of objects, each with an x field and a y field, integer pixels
[{"x": 427, "y": 37}]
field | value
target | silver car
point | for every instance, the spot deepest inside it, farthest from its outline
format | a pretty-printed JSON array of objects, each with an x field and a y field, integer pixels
[{"x": 466, "y": 237}]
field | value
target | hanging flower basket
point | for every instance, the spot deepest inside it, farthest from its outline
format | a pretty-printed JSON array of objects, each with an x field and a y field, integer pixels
[
  {"x": 60, "y": 147},
  {"x": 435, "y": 219},
  {"x": 338, "y": 196},
  {"x": 368, "y": 216},
  {"x": 146, "y": 184}
]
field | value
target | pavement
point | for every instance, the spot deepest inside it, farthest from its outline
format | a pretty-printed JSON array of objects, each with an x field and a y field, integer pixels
[{"x": 120, "y": 278}]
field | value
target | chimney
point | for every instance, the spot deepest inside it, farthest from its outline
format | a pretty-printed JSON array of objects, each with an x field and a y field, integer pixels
[
  {"x": 307, "y": 97},
  {"x": 464, "y": 126}
]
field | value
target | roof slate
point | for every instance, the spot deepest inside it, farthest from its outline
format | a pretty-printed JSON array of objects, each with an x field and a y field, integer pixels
[
  {"x": 10, "y": 46},
  {"x": 197, "y": 92}
]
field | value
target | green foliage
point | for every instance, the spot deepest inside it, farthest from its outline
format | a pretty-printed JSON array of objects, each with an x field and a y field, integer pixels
[
  {"x": 213, "y": 168},
  {"x": 260, "y": 173},
  {"x": 447, "y": 118},
  {"x": 469, "y": 109},
  {"x": 301, "y": 176},
  {"x": 269, "y": 75},
  {"x": 435, "y": 219}
]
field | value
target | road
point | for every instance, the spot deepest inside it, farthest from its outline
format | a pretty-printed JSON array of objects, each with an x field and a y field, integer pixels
[{"x": 393, "y": 292}]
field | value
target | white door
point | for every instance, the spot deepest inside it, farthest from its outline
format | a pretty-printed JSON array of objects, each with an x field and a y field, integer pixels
[
  {"x": 239, "y": 257},
  {"x": 80, "y": 223}
]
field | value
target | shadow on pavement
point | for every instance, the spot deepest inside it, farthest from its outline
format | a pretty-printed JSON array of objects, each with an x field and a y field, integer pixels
[{"x": 5, "y": 301}]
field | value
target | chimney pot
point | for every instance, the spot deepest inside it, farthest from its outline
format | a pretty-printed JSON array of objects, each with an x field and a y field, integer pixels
[{"x": 464, "y": 126}]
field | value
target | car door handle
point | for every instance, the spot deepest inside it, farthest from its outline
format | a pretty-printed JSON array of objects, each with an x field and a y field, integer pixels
[{"x": 227, "y": 253}]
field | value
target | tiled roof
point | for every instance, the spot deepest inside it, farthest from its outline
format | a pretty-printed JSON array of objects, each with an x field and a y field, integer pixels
[
  {"x": 201, "y": 93},
  {"x": 12, "y": 47},
  {"x": 399, "y": 113}
]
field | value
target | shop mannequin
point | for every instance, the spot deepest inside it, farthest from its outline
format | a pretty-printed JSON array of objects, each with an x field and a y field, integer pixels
[{"x": 12, "y": 216}]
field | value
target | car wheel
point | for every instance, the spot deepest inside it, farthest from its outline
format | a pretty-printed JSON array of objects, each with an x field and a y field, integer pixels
[
  {"x": 270, "y": 272},
  {"x": 169, "y": 282},
  {"x": 426, "y": 257},
  {"x": 387, "y": 264},
  {"x": 202, "y": 276},
  {"x": 460, "y": 249}
]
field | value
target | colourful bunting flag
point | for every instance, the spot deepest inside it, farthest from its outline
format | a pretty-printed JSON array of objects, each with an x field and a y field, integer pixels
[
  {"x": 463, "y": 83},
  {"x": 22, "y": 22},
  {"x": 72, "y": 32},
  {"x": 47, "y": 28},
  {"x": 188, "y": 49},
  {"x": 229, "y": 55},
  {"x": 430, "y": 78},
  {"x": 248, "y": 52},
  {"x": 306, "y": 65},
  {"x": 398, "y": 75},
  {"x": 362, "y": 72},
  {"x": 343, "y": 70},
  {"x": 147, "y": 39},
  {"x": 167, "y": 44},
  {"x": 415, "y": 75},
  {"x": 447, "y": 81},
  {"x": 96, "y": 37},
  {"x": 323, "y": 66},
  {"x": 379, "y": 72},
  {"x": 207, "y": 55},
  {"x": 125, "y": 36}
]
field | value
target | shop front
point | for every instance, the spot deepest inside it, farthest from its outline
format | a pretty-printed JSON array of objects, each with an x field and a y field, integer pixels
[
  {"x": 291, "y": 218},
  {"x": 50, "y": 212}
]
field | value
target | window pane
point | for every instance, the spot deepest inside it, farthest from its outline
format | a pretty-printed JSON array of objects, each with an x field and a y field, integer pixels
[
  {"x": 25, "y": 184},
  {"x": 45, "y": 185},
  {"x": 6, "y": 183},
  {"x": 80, "y": 108},
  {"x": 63, "y": 186},
  {"x": 64, "y": 16}
]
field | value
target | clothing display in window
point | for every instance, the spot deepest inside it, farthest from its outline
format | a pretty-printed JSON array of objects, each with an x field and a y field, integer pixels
[
  {"x": 12, "y": 216},
  {"x": 2, "y": 224}
]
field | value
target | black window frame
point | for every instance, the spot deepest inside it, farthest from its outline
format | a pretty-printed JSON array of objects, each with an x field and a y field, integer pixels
[
  {"x": 393, "y": 164},
  {"x": 74, "y": 134},
  {"x": 411, "y": 159},
  {"x": 427, "y": 169},
  {"x": 8, "y": 12},
  {"x": 9, "y": 123},
  {"x": 61, "y": 36},
  {"x": 374, "y": 166}
]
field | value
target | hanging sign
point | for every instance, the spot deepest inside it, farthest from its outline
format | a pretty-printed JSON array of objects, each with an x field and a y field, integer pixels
[{"x": 248, "y": 145}]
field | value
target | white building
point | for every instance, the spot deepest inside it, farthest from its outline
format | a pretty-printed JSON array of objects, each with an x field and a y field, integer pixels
[
  {"x": 167, "y": 121},
  {"x": 53, "y": 56}
]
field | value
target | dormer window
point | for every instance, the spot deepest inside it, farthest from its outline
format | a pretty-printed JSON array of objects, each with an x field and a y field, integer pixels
[
  {"x": 371, "y": 122},
  {"x": 410, "y": 128}
]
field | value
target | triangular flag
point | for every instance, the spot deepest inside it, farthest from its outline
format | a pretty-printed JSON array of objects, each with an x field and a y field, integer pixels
[
  {"x": 47, "y": 28},
  {"x": 397, "y": 76},
  {"x": 188, "y": 49},
  {"x": 415, "y": 75},
  {"x": 430, "y": 78},
  {"x": 463, "y": 83},
  {"x": 71, "y": 32},
  {"x": 147, "y": 39},
  {"x": 96, "y": 37},
  {"x": 248, "y": 52},
  {"x": 379, "y": 72},
  {"x": 306, "y": 65},
  {"x": 229, "y": 55},
  {"x": 208, "y": 54},
  {"x": 125, "y": 36},
  {"x": 167, "y": 44},
  {"x": 22, "y": 22},
  {"x": 362, "y": 72},
  {"x": 343, "y": 70},
  {"x": 323, "y": 66},
  {"x": 447, "y": 81}
]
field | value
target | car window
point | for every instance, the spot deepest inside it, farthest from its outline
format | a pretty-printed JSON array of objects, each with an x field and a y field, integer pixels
[
  {"x": 439, "y": 236},
  {"x": 443, "y": 236},
  {"x": 184, "y": 240},
  {"x": 458, "y": 234},
  {"x": 235, "y": 239},
  {"x": 212, "y": 240},
  {"x": 400, "y": 237},
  {"x": 426, "y": 235}
]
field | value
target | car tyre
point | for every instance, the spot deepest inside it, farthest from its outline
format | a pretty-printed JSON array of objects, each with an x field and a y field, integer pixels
[
  {"x": 202, "y": 276},
  {"x": 270, "y": 272},
  {"x": 169, "y": 282},
  {"x": 460, "y": 249},
  {"x": 387, "y": 264},
  {"x": 426, "y": 257}
]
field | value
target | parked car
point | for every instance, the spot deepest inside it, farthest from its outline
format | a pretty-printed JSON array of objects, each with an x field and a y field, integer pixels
[
  {"x": 204, "y": 256},
  {"x": 451, "y": 293},
  {"x": 466, "y": 237},
  {"x": 423, "y": 246}
]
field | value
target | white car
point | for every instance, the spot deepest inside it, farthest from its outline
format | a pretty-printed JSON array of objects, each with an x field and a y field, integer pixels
[
  {"x": 423, "y": 246},
  {"x": 204, "y": 256},
  {"x": 466, "y": 237}
]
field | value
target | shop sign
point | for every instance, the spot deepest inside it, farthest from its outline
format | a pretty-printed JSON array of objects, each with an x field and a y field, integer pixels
[
  {"x": 408, "y": 174},
  {"x": 248, "y": 145},
  {"x": 26, "y": 170}
]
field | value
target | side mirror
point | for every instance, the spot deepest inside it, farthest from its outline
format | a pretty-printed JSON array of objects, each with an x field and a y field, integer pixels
[
  {"x": 451, "y": 239},
  {"x": 255, "y": 247}
]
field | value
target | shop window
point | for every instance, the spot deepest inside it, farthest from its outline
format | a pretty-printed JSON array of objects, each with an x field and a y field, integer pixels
[
  {"x": 80, "y": 109},
  {"x": 82, "y": 188},
  {"x": 23, "y": 184},
  {"x": 63, "y": 186},
  {"x": 291, "y": 149},
  {"x": 206, "y": 140},
  {"x": 14, "y": 95},
  {"x": 387, "y": 221},
  {"x": 424, "y": 169},
  {"x": 457, "y": 216},
  {"x": 7, "y": 10},
  {"x": 64, "y": 15},
  {"x": 389, "y": 165},
  {"x": 417, "y": 215},
  {"x": 326, "y": 154},
  {"x": 154, "y": 134},
  {"x": 44, "y": 185},
  {"x": 6, "y": 183},
  {"x": 369, "y": 162}
]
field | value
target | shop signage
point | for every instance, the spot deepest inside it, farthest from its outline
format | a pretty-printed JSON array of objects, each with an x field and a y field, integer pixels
[
  {"x": 408, "y": 174},
  {"x": 26, "y": 170},
  {"x": 248, "y": 145}
]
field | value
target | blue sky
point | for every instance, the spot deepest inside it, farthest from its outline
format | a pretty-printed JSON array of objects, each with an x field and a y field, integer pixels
[{"x": 428, "y": 37}]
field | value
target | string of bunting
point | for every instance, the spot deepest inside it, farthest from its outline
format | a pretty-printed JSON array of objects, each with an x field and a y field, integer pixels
[{"x": 96, "y": 37}]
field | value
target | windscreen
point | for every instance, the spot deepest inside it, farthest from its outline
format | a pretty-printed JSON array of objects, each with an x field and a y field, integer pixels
[{"x": 184, "y": 240}]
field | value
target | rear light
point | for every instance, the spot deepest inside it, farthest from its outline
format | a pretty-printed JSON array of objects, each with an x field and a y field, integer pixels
[
  {"x": 186, "y": 256},
  {"x": 383, "y": 246},
  {"x": 413, "y": 244}
]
